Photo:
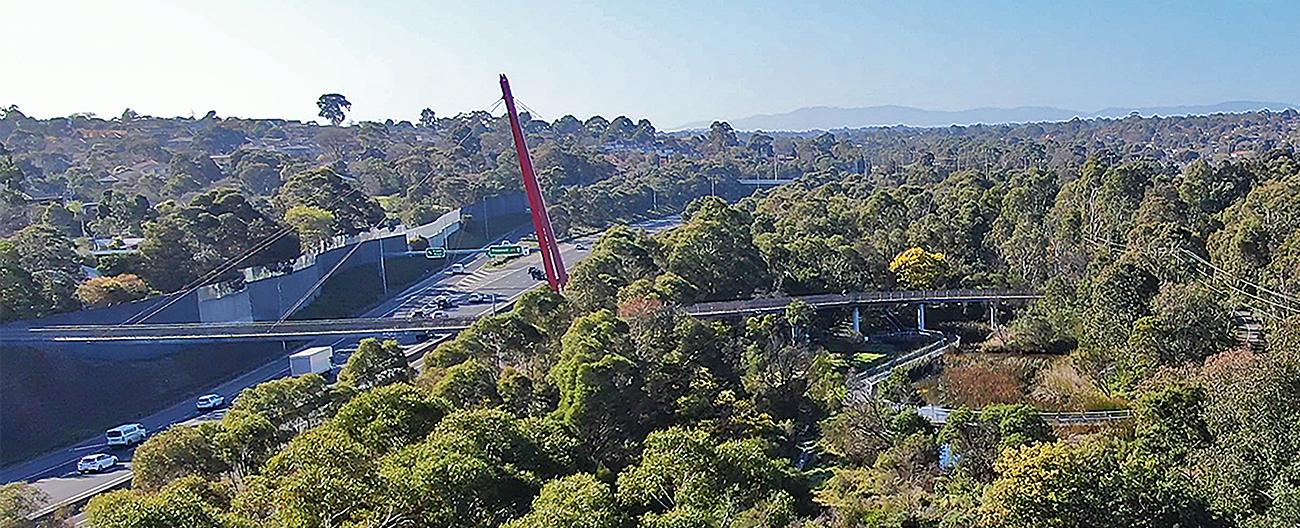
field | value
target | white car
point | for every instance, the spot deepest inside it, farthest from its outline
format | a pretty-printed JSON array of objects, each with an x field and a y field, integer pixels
[
  {"x": 126, "y": 434},
  {"x": 96, "y": 463},
  {"x": 208, "y": 402},
  {"x": 580, "y": 246}
]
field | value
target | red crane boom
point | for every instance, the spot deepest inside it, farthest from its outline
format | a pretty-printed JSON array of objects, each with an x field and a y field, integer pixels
[{"x": 556, "y": 275}]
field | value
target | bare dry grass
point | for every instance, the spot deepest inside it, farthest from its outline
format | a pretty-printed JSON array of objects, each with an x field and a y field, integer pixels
[{"x": 1047, "y": 382}]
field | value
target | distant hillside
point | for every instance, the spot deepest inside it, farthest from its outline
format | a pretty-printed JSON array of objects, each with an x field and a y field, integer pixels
[{"x": 828, "y": 118}]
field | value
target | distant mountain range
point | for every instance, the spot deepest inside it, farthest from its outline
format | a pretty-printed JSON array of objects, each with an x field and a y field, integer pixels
[{"x": 827, "y": 117}]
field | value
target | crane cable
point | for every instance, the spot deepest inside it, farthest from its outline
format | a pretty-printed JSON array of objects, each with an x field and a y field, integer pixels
[
  {"x": 325, "y": 277},
  {"x": 271, "y": 239}
]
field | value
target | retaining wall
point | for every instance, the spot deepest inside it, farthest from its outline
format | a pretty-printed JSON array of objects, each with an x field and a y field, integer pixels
[{"x": 267, "y": 294}]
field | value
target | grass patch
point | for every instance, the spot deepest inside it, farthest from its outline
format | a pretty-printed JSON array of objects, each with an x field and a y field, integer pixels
[
  {"x": 862, "y": 359},
  {"x": 499, "y": 262},
  {"x": 351, "y": 291},
  {"x": 389, "y": 203},
  {"x": 54, "y": 398},
  {"x": 1047, "y": 382}
]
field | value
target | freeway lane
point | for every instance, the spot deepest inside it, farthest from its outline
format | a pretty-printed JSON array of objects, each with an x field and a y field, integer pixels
[{"x": 55, "y": 473}]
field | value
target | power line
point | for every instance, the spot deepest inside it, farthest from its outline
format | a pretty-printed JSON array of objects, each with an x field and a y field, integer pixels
[
  {"x": 271, "y": 239},
  {"x": 322, "y": 280},
  {"x": 1216, "y": 274}
]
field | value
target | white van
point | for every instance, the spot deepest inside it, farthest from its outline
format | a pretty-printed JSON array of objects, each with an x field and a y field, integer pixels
[{"x": 126, "y": 434}]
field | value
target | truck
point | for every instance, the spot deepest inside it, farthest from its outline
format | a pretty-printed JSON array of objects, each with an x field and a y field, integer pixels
[{"x": 314, "y": 360}]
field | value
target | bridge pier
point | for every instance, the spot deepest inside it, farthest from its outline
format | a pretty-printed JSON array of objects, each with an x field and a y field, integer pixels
[
  {"x": 993, "y": 314},
  {"x": 920, "y": 316},
  {"x": 857, "y": 320}
]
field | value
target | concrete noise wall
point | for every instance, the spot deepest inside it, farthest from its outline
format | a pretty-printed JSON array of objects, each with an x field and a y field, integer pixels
[{"x": 268, "y": 299}]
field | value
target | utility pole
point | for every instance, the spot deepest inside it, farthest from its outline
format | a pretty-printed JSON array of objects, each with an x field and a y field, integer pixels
[{"x": 383, "y": 274}]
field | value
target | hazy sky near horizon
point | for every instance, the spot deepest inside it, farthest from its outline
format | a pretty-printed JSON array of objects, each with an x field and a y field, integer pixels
[{"x": 671, "y": 61}]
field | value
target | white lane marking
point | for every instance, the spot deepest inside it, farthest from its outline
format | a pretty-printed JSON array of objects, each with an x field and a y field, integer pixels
[
  {"x": 89, "y": 447},
  {"x": 422, "y": 288}
]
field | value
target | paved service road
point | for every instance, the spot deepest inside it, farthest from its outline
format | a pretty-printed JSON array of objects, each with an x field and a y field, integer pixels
[{"x": 55, "y": 473}]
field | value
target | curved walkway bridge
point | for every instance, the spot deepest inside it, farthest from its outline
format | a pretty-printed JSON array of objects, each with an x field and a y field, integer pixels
[{"x": 852, "y": 300}]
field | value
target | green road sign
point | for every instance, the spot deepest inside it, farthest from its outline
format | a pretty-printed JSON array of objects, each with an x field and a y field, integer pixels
[
  {"x": 435, "y": 253},
  {"x": 505, "y": 250}
]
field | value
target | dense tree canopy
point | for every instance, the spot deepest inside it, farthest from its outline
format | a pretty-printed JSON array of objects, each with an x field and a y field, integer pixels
[{"x": 609, "y": 406}]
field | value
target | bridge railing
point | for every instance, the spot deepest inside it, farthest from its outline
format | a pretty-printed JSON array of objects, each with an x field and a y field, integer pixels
[
  {"x": 235, "y": 330},
  {"x": 1086, "y": 417},
  {"x": 874, "y": 374},
  {"x": 831, "y": 300}
]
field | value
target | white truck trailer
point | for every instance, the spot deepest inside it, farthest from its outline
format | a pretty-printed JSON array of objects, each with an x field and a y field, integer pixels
[{"x": 314, "y": 360}]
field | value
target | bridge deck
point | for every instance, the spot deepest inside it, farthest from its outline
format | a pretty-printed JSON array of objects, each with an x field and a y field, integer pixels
[
  {"x": 253, "y": 330},
  {"x": 835, "y": 300},
  {"x": 364, "y": 326}
]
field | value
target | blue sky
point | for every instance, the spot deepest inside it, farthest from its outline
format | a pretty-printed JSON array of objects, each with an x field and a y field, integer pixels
[{"x": 673, "y": 62}]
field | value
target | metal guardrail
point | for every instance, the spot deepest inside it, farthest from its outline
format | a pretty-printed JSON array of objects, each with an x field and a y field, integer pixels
[
  {"x": 1086, "y": 417},
  {"x": 874, "y": 374},
  {"x": 250, "y": 330},
  {"x": 413, "y": 353},
  {"x": 118, "y": 480},
  {"x": 192, "y": 331},
  {"x": 835, "y": 300}
]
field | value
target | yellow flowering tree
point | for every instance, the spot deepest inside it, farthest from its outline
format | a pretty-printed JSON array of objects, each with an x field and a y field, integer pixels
[{"x": 919, "y": 269}]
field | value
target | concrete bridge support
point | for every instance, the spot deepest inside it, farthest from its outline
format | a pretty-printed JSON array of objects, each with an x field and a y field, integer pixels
[
  {"x": 857, "y": 320},
  {"x": 920, "y": 316}
]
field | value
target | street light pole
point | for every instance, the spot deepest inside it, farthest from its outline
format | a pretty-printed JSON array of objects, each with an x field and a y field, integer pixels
[{"x": 383, "y": 274}]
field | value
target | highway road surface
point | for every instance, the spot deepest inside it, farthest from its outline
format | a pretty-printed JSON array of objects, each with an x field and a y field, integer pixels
[{"x": 55, "y": 473}]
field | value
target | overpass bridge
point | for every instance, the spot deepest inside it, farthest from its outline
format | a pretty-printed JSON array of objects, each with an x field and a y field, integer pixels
[{"x": 273, "y": 331}]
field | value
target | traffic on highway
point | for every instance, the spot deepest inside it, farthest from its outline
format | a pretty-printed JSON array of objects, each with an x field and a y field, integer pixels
[{"x": 474, "y": 286}]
